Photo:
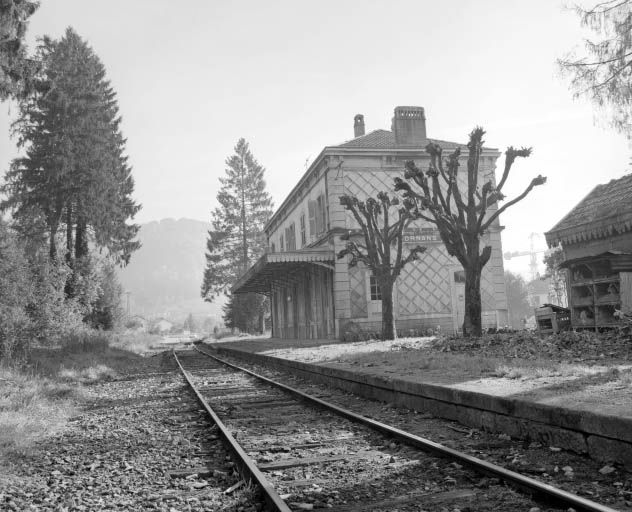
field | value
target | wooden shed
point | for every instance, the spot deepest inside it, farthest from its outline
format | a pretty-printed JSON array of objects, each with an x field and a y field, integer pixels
[{"x": 596, "y": 237}]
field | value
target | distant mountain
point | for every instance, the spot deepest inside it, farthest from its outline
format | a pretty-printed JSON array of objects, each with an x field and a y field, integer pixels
[{"x": 165, "y": 274}]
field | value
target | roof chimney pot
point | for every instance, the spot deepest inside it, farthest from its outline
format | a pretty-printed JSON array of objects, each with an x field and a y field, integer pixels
[
  {"x": 358, "y": 125},
  {"x": 409, "y": 126}
]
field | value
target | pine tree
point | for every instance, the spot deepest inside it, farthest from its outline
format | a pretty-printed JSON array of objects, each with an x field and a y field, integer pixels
[
  {"x": 74, "y": 175},
  {"x": 244, "y": 311},
  {"x": 15, "y": 68},
  {"x": 236, "y": 239},
  {"x": 190, "y": 324}
]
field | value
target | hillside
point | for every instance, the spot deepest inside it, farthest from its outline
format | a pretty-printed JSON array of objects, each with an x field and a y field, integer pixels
[{"x": 165, "y": 274}]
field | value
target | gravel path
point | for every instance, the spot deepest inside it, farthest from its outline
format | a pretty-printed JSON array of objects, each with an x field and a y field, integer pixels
[{"x": 120, "y": 453}]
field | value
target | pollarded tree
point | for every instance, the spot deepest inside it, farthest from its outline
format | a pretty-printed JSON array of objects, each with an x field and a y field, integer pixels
[
  {"x": 603, "y": 72},
  {"x": 462, "y": 217},
  {"x": 381, "y": 248},
  {"x": 236, "y": 237},
  {"x": 15, "y": 68}
]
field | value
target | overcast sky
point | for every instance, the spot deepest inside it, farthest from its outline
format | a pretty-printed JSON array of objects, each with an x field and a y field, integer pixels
[{"x": 195, "y": 75}]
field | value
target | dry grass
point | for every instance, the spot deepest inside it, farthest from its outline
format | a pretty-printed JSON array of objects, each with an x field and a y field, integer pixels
[
  {"x": 37, "y": 399},
  {"x": 32, "y": 408},
  {"x": 138, "y": 343}
]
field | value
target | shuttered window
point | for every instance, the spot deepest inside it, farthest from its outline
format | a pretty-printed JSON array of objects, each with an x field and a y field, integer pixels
[
  {"x": 290, "y": 237},
  {"x": 311, "y": 208},
  {"x": 303, "y": 234},
  {"x": 321, "y": 214}
]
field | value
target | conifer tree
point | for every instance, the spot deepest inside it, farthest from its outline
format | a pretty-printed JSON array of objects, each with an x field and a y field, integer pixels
[
  {"x": 236, "y": 239},
  {"x": 74, "y": 175},
  {"x": 15, "y": 68}
]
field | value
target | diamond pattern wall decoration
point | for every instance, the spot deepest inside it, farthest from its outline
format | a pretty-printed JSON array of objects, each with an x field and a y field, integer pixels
[
  {"x": 357, "y": 293},
  {"x": 424, "y": 286}
]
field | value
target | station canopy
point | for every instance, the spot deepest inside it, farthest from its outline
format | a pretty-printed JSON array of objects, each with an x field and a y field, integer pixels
[{"x": 281, "y": 268}]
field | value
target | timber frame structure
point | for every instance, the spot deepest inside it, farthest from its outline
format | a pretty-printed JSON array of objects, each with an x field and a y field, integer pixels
[
  {"x": 596, "y": 240},
  {"x": 315, "y": 295}
]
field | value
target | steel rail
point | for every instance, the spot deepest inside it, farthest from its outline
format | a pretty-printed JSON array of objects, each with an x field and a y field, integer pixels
[
  {"x": 246, "y": 464},
  {"x": 546, "y": 491}
]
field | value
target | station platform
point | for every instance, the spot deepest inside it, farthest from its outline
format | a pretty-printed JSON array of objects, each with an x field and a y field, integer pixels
[{"x": 589, "y": 414}]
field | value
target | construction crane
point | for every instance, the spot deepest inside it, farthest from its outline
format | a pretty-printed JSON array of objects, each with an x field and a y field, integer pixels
[{"x": 532, "y": 253}]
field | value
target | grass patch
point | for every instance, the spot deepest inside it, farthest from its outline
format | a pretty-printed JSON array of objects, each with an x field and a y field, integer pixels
[
  {"x": 90, "y": 356},
  {"x": 547, "y": 370},
  {"x": 32, "y": 408}
]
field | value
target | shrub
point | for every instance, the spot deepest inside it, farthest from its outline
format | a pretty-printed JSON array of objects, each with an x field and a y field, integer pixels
[
  {"x": 16, "y": 292},
  {"x": 85, "y": 340}
]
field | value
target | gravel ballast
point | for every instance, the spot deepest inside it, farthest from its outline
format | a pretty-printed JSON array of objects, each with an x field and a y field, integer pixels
[{"x": 140, "y": 443}]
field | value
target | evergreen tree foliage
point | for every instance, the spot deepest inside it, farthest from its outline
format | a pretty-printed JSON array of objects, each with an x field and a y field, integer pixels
[
  {"x": 15, "y": 68},
  {"x": 106, "y": 310},
  {"x": 190, "y": 324},
  {"x": 74, "y": 177},
  {"x": 462, "y": 212},
  {"x": 603, "y": 71},
  {"x": 380, "y": 245},
  {"x": 244, "y": 311},
  {"x": 236, "y": 238}
]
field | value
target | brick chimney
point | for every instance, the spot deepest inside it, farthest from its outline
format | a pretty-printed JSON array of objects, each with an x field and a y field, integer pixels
[
  {"x": 409, "y": 126},
  {"x": 358, "y": 125}
]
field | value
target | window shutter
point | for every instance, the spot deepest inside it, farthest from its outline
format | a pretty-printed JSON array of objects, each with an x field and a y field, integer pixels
[
  {"x": 311, "y": 207},
  {"x": 293, "y": 236}
]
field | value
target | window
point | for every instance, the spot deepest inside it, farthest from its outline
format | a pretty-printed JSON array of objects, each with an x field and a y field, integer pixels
[
  {"x": 322, "y": 213},
  {"x": 376, "y": 293},
  {"x": 290, "y": 237},
  {"x": 459, "y": 276},
  {"x": 272, "y": 248},
  {"x": 317, "y": 215},
  {"x": 303, "y": 233},
  {"x": 281, "y": 245}
]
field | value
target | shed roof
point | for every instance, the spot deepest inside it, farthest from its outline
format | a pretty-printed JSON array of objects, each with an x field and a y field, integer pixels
[{"x": 606, "y": 210}]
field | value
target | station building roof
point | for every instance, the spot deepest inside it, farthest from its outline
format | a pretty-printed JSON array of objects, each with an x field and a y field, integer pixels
[{"x": 280, "y": 267}]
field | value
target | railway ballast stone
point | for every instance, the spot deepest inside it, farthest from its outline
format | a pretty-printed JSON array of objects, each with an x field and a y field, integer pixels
[{"x": 604, "y": 438}]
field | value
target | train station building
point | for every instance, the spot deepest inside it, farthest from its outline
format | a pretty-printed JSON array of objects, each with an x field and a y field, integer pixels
[{"x": 315, "y": 295}]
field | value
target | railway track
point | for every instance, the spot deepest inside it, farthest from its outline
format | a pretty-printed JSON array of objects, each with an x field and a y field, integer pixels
[{"x": 307, "y": 454}]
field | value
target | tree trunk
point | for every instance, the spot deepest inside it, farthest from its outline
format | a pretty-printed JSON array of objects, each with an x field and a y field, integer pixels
[
  {"x": 53, "y": 225},
  {"x": 69, "y": 237},
  {"x": 472, "y": 325},
  {"x": 52, "y": 251},
  {"x": 81, "y": 241},
  {"x": 388, "y": 325}
]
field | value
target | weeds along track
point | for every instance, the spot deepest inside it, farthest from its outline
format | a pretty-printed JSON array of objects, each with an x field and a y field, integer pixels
[{"x": 307, "y": 454}]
